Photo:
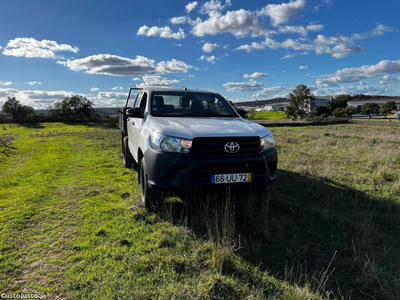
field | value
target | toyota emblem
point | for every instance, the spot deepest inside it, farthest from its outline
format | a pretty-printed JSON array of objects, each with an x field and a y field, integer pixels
[{"x": 232, "y": 147}]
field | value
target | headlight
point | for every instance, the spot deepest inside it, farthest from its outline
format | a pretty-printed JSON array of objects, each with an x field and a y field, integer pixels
[
  {"x": 267, "y": 142},
  {"x": 165, "y": 143}
]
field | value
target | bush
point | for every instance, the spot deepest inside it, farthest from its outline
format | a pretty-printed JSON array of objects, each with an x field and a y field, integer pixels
[
  {"x": 323, "y": 110},
  {"x": 339, "y": 112}
]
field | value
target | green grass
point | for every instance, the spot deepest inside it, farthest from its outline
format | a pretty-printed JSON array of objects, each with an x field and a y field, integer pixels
[
  {"x": 72, "y": 224},
  {"x": 72, "y": 227},
  {"x": 267, "y": 115}
]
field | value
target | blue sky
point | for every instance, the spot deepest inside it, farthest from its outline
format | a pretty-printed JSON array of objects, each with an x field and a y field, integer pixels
[{"x": 244, "y": 50}]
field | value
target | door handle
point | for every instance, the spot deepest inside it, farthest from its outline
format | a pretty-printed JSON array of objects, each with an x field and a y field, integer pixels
[{"x": 133, "y": 122}]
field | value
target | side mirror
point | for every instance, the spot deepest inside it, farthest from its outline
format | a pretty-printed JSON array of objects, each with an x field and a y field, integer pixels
[
  {"x": 135, "y": 112},
  {"x": 242, "y": 113}
]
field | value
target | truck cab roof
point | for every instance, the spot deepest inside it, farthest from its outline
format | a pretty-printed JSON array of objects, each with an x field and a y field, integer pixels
[{"x": 175, "y": 90}]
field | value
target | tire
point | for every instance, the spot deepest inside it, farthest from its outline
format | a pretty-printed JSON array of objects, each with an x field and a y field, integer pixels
[
  {"x": 126, "y": 154},
  {"x": 150, "y": 198}
]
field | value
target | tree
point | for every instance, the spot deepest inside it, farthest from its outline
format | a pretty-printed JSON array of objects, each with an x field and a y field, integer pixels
[
  {"x": 301, "y": 102},
  {"x": 340, "y": 102},
  {"x": 15, "y": 109},
  {"x": 388, "y": 107},
  {"x": 345, "y": 97},
  {"x": 370, "y": 109},
  {"x": 350, "y": 110},
  {"x": 75, "y": 108}
]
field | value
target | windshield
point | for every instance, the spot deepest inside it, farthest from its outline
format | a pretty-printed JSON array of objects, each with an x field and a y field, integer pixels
[{"x": 170, "y": 104}]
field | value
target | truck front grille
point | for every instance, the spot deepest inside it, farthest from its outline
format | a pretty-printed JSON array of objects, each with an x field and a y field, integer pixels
[
  {"x": 215, "y": 145},
  {"x": 206, "y": 170}
]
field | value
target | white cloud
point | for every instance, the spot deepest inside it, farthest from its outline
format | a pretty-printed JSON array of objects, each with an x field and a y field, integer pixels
[
  {"x": 337, "y": 47},
  {"x": 387, "y": 79},
  {"x": 43, "y": 99},
  {"x": 213, "y": 6},
  {"x": 380, "y": 29},
  {"x": 178, "y": 45},
  {"x": 114, "y": 65},
  {"x": 94, "y": 89},
  {"x": 281, "y": 13},
  {"x": 30, "y": 47},
  {"x": 32, "y": 83},
  {"x": 5, "y": 82},
  {"x": 179, "y": 20},
  {"x": 243, "y": 86},
  {"x": 238, "y": 100},
  {"x": 190, "y": 6},
  {"x": 270, "y": 91},
  {"x": 301, "y": 29},
  {"x": 343, "y": 45},
  {"x": 255, "y": 75},
  {"x": 273, "y": 44},
  {"x": 268, "y": 43},
  {"x": 239, "y": 23},
  {"x": 7, "y": 92},
  {"x": 288, "y": 56},
  {"x": 210, "y": 59},
  {"x": 109, "y": 99},
  {"x": 136, "y": 79},
  {"x": 324, "y": 3},
  {"x": 361, "y": 88},
  {"x": 340, "y": 51},
  {"x": 384, "y": 67},
  {"x": 207, "y": 47},
  {"x": 162, "y": 32},
  {"x": 296, "y": 45},
  {"x": 303, "y": 67},
  {"x": 36, "y": 99},
  {"x": 158, "y": 81},
  {"x": 117, "y": 87}
]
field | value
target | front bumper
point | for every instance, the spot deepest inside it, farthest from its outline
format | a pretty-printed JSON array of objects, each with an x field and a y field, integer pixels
[{"x": 181, "y": 173}]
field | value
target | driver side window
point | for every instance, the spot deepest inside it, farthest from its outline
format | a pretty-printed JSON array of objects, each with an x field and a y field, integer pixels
[
  {"x": 138, "y": 98},
  {"x": 143, "y": 102}
]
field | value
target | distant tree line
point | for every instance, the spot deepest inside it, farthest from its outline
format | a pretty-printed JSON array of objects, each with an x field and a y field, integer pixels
[
  {"x": 339, "y": 107},
  {"x": 302, "y": 104},
  {"x": 72, "y": 109}
]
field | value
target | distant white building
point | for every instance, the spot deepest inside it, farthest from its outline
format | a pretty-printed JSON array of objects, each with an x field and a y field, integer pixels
[
  {"x": 322, "y": 101},
  {"x": 271, "y": 107}
]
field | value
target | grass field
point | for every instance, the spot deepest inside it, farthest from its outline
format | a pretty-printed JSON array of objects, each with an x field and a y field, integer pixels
[
  {"x": 72, "y": 225},
  {"x": 267, "y": 115}
]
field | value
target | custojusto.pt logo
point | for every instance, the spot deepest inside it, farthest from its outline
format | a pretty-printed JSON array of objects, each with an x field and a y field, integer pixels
[{"x": 22, "y": 296}]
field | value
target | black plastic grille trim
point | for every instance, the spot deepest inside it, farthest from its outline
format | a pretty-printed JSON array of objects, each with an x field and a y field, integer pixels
[{"x": 215, "y": 146}]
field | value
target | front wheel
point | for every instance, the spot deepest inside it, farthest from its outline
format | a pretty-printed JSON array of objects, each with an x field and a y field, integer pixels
[{"x": 149, "y": 197}]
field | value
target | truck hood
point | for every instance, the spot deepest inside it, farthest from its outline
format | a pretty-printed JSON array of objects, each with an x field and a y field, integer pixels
[{"x": 190, "y": 128}]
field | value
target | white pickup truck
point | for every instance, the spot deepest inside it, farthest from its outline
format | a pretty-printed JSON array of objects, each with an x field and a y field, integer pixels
[{"x": 182, "y": 140}]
